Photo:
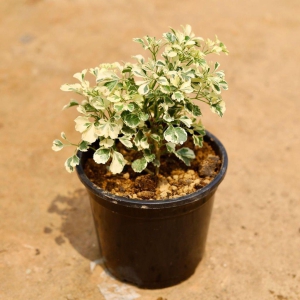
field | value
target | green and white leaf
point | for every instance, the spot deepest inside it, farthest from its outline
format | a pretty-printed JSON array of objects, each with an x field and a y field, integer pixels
[
  {"x": 175, "y": 79},
  {"x": 115, "y": 97},
  {"x": 82, "y": 123},
  {"x": 163, "y": 81},
  {"x": 68, "y": 166},
  {"x": 126, "y": 141},
  {"x": 148, "y": 155},
  {"x": 144, "y": 143},
  {"x": 127, "y": 130},
  {"x": 107, "y": 129},
  {"x": 186, "y": 155},
  {"x": 57, "y": 145},
  {"x": 216, "y": 88},
  {"x": 90, "y": 134},
  {"x": 72, "y": 103},
  {"x": 155, "y": 137},
  {"x": 170, "y": 147},
  {"x": 198, "y": 140},
  {"x": 218, "y": 108},
  {"x": 87, "y": 128},
  {"x": 118, "y": 163},
  {"x": 160, "y": 63},
  {"x": 83, "y": 146},
  {"x": 186, "y": 121},
  {"x": 216, "y": 65},
  {"x": 139, "y": 165},
  {"x": 99, "y": 103},
  {"x": 156, "y": 163},
  {"x": 139, "y": 58},
  {"x": 101, "y": 156},
  {"x": 105, "y": 75},
  {"x": 186, "y": 87},
  {"x": 178, "y": 96},
  {"x": 144, "y": 89},
  {"x": 143, "y": 116},
  {"x": 175, "y": 135},
  {"x": 76, "y": 87},
  {"x": 166, "y": 89},
  {"x": 168, "y": 101},
  {"x": 140, "y": 41},
  {"x": 193, "y": 109},
  {"x": 199, "y": 129},
  {"x": 112, "y": 84},
  {"x": 141, "y": 141},
  {"x": 80, "y": 76},
  {"x": 131, "y": 106},
  {"x": 71, "y": 163},
  {"x": 138, "y": 72},
  {"x": 119, "y": 107},
  {"x": 107, "y": 143},
  {"x": 132, "y": 120},
  {"x": 223, "y": 84},
  {"x": 168, "y": 118}
]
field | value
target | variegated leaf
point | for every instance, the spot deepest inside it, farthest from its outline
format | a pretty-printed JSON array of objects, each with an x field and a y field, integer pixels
[
  {"x": 118, "y": 162},
  {"x": 139, "y": 165},
  {"x": 175, "y": 135},
  {"x": 101, "y": 156}
]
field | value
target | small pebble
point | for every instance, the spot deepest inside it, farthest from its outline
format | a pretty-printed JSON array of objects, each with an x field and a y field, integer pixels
[
  {"x": 163, "y": 195},
  {"x": 121, "y": 189},
  {"x": 174, "y": 188},
  {"x": 134, "y": 196},
  {"x": 206, "y": 181},
  {"x": 126, "y": 176},
  {"x": 175, "y": 177}
]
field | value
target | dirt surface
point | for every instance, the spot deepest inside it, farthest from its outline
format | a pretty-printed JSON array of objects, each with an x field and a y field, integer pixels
[
  {"x": 48, "y": 245},
  {"x": 175, "y": 178}
]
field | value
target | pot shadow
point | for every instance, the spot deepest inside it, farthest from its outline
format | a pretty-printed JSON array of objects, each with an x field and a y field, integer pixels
[{"x": 77, "y": 223}]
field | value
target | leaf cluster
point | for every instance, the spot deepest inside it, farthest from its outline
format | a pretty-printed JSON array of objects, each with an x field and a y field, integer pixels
[{"x": 150, "y": 106}]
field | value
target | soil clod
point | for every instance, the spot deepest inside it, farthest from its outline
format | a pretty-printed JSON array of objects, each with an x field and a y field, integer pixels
[
  {"x": 145, "y": 183},
  {"x": 209, "y": 166}
]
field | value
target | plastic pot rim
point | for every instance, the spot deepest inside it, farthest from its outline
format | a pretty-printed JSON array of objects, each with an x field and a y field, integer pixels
[{"x": 159, "y": 204}]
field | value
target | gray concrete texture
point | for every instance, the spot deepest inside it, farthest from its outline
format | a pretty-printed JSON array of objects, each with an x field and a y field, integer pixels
[{"x": 47, "y": 236}]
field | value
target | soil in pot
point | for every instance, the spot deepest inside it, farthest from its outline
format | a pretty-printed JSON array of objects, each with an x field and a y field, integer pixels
[{"x": 175, "y": 178}]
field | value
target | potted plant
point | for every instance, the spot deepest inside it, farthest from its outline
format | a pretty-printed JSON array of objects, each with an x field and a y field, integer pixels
[{"x": 140, "y": 122}]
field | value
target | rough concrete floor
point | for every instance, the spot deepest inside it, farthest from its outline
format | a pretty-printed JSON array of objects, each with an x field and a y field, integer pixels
[{"x": 47, "y": 236}]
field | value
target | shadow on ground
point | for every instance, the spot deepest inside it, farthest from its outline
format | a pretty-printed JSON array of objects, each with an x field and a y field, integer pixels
[{"x": 77, "y": 223}]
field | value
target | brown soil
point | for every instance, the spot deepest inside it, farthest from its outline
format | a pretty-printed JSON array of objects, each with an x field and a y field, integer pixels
[{"x": 175, "y": 178}]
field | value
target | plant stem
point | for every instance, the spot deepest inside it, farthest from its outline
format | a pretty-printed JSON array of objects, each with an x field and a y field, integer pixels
[
  {"x": 148, "y": 171},
  {"x": 157, "y": 155}
]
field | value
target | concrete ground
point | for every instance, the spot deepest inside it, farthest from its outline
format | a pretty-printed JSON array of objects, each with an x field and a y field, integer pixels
[{"x": 47, "y": 236}]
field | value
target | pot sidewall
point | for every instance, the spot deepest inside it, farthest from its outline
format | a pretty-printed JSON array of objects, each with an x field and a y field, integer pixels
[{"x": 153, "y": 244}]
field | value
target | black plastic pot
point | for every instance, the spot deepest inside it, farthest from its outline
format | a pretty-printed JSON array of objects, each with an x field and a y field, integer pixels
[{"x": 153, "y": 244}]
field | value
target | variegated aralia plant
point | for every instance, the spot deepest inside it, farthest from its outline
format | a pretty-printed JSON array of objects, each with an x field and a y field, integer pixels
[{"x": 150, "y": 106}]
